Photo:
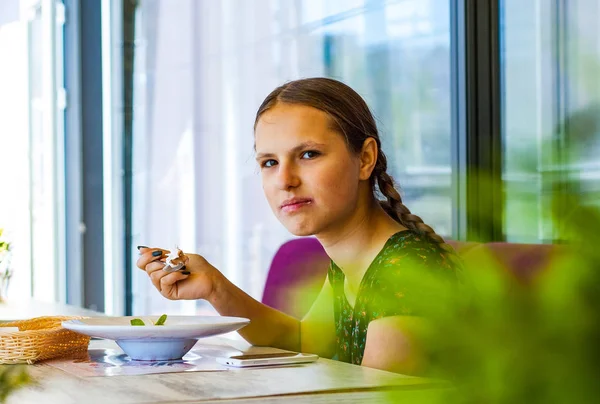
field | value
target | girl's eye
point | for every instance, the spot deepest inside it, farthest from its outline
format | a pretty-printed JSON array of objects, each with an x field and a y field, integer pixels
[
  {"x": 269, "y": 163},
  {"x": 310, "y": 154}
]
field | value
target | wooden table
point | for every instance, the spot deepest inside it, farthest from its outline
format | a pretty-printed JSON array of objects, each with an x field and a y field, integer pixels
[
  {"x": 323, "y": 381},
  {"x": 319, "y": 382}
]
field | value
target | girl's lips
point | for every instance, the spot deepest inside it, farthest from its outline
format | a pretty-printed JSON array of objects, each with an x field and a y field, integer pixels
[{"x": 295, "y": 206}]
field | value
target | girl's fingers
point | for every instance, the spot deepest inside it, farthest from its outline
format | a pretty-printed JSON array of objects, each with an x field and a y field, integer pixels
[
  {"x": 154, "y": 266},
  {"x": 152, "y": 260},
  {"x": 149, "y": 255},
  {"x": 155, "y": 277},
  {"x": 164, "y": 280},
  {"x": 172, "y": 278}
]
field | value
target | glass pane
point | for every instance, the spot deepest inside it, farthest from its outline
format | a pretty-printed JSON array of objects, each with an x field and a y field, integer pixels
[
  {"x": 551, "y": 116},
  {"x": 42, "y": 167},
  {"x": 203, "y": 68},
  {"x": 14, "y": 156}
]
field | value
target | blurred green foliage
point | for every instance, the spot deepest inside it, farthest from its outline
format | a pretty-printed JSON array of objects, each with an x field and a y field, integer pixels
[
  {"x": 499, "y": 339},
  {"x": 12, "y": 378}
]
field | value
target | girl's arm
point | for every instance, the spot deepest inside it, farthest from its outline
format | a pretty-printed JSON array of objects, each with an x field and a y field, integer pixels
[
  {"x": 393, "y": 344},
  {"x": 317, "y": 327},
  {"x": 268, "y": 326}
]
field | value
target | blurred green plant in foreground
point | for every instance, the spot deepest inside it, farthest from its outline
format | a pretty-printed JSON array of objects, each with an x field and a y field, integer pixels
[
  {"x": 12, "y": 378},
  {"x": 500, "y": 339}
]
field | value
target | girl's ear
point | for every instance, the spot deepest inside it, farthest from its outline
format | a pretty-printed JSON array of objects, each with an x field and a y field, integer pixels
[{"x": 368, "y": 158}]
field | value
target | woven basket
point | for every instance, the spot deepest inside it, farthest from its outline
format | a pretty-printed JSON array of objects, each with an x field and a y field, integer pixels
[{"x": 40, "y": 338}]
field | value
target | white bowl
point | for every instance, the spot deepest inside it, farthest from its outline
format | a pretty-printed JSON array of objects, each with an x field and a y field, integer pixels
[{"x": 151, "y": 342}]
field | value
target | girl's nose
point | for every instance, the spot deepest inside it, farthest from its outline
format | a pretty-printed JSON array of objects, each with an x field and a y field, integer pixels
[{"x": 287, "y": 176}]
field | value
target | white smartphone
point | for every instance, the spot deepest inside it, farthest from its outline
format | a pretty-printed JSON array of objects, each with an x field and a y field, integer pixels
[{"x": 270, "y": 359}]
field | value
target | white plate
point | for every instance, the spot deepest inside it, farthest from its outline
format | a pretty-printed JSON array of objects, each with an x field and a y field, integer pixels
[{"x": 176, "y": 327}]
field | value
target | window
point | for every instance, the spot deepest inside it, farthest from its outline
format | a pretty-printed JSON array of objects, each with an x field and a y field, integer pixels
[
  {"x": 31, "y": 150},
  {"x": 201, "y": 71},
  {"x": 551, "y": 108},
  {"x": 14, "y": 152}
]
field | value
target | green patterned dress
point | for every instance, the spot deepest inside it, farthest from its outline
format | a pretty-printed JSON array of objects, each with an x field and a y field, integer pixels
[{"x": 381, "y": 292}]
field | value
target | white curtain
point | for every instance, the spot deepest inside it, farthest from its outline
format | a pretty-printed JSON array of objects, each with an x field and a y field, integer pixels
[{"x": 202, "y": 70}]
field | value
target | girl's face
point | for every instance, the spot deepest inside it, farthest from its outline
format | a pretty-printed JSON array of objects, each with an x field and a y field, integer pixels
[{"x": 309, "y": 176}]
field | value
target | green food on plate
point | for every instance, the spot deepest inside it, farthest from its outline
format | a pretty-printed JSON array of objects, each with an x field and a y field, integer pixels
[
  {"x": 138, "y": 321},
  {"x": 161, "y": 320}
]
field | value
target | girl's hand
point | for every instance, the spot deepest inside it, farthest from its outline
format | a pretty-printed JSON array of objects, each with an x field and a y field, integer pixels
[{"x": 195, "y": 281}]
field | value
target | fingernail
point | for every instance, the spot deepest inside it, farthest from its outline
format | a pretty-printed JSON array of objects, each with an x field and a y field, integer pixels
[
  {"x": 156, "y": 253},
  {"x": 185, "y": 272},
  {"x": 141, "y": 246}
]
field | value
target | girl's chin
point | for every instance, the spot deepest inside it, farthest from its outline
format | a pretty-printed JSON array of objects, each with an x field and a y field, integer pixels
[{"x": 300, "y": 231}]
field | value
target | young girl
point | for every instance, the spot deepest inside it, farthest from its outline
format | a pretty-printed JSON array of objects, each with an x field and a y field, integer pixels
[{"x": 321, "y": 164}]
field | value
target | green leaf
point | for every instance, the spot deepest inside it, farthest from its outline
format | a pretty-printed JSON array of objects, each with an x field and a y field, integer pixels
[
  {"x": 12, "y": 378},
  {"x": 137, "y": 321},
  {"x": 161, "y": 320}
]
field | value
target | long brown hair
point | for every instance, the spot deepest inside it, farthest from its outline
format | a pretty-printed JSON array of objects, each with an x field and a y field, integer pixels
[{"x": 351, "y": 116}]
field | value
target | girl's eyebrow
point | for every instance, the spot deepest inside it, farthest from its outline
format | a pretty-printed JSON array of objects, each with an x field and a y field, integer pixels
[{"x": 304, "y": 145}]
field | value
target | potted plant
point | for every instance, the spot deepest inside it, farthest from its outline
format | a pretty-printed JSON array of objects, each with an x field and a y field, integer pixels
[{"x": 5, "y": 269}]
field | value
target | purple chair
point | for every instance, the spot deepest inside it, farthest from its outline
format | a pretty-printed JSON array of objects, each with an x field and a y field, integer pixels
[
  {"x": 299, "y": 268},
  {"x": 524, "y": 261},
  {"x": 296, "y": 276}
]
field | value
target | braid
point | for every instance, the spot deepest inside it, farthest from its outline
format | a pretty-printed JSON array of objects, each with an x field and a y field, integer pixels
[{"x": 394, "y": 207}]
